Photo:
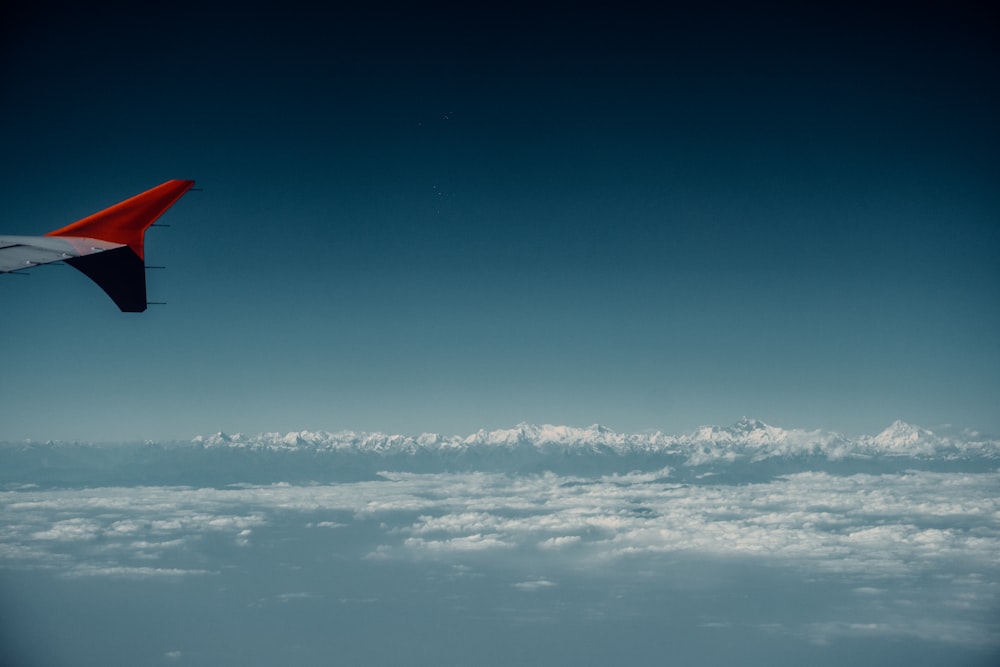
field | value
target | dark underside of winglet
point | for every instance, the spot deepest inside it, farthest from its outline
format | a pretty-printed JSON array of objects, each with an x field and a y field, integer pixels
[{"x": 120, "y": 273}]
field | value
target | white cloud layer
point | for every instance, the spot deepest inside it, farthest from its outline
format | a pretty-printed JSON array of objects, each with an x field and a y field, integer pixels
[
  {"x": 872, "y": 533},
  {"x": 859, "y": 523}
]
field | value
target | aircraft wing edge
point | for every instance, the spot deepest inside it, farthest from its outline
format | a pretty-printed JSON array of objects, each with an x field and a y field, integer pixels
[
  {"x": 120, "y": 273},
  {"x": 23, "y": 252}
]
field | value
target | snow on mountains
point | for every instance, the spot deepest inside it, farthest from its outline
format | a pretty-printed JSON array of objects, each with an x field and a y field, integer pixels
[
  {"x": 746, "y": 451},
  {"x": 746, "y": 440}
]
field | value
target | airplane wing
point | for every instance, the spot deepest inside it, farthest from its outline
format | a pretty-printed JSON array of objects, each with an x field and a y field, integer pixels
[
  {"x": 107, "y": 246},
  {"x": 23, "y": 252}
]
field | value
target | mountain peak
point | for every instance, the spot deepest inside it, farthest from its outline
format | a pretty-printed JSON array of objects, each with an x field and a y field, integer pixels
[
  {"x": 747, "y": 439},
  {"x": 749, "y": 424},
  {"x": 901, "y": 436}
]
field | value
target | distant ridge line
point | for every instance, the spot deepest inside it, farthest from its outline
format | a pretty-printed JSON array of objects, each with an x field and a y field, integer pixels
[{"x": 746, "y": 439}]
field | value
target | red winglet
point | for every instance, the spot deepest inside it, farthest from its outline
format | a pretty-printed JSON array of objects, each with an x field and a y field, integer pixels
[{"x": 126, "y": 222}]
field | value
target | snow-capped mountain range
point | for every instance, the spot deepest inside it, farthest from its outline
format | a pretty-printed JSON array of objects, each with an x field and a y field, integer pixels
[
  {"x": 746, "y": 451},
  {"x": 748, "y": 439}
]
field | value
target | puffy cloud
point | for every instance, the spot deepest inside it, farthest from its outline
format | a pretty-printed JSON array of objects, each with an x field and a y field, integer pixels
[
  {"x": 466, "y": 543},
  {"x": 127, "y": 572},
  {"x": 291, "y": 597},
  {"x": 559, "y": 542},
  {"x": 69, "y": 530},
  {"x": 873, "y": 533},
  {"x": 894, "y": 523}
]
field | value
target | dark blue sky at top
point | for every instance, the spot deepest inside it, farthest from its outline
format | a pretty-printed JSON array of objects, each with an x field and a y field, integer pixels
[{"x": 449, "y": 218}]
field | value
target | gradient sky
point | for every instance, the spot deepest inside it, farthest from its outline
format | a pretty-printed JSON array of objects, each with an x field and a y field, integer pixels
[{"x": 441, "y": 219}]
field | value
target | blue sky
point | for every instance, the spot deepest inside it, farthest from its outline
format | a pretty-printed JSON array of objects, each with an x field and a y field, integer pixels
[{"x": 441, "y": 219}]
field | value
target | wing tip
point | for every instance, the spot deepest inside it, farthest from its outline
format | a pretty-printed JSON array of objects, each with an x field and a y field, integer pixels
[{"x": 126, "y": 222}]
